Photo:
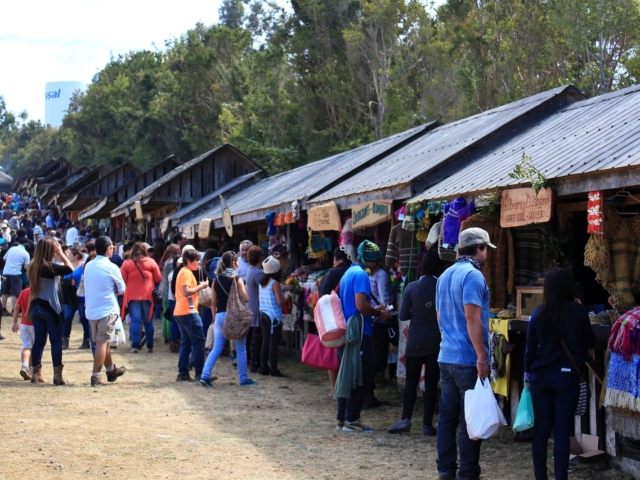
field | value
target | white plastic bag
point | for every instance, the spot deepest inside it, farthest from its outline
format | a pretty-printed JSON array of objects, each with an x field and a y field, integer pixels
[
  {"x": 119, "y": 337},
  {"x": 481, "y": 411}
]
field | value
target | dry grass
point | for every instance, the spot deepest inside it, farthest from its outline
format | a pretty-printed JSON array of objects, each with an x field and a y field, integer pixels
[{"x": 148, "y": 426}]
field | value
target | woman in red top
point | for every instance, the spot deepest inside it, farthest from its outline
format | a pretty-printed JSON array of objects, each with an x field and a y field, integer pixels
[{"x": 140, "y": 273}]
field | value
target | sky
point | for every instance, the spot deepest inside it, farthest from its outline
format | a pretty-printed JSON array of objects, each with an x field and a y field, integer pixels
[
  {"x": 65, "y": 40},
  {"x": 71, "y": 40}
]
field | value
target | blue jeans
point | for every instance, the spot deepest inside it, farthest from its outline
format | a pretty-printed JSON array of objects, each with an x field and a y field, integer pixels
[
  {"x": 175, "y": 330},
  {"x": 554, "y": 400},
  {"x": 192, "y": 337},
  {"x": 139, "y": 313},
  {"x": 86, "y": 331},
  {"x": 218, "y": 345},
  {"x": 455, "y": 380},
  {"x": 207, "y": 318},
  {"x": 45, "y": 323},
  {"x": 69, "y": 312}
]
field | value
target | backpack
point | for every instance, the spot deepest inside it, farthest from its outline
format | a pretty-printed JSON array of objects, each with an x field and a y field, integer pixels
[{"x": 330, "y": 321}]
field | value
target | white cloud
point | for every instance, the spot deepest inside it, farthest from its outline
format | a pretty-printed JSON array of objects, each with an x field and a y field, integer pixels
[{"x": 44, "y": 42}]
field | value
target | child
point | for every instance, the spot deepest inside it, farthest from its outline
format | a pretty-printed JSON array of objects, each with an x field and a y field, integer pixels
[{"x": 27, "y": 334}]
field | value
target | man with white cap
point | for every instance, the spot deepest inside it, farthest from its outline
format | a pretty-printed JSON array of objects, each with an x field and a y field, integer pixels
[
  {"x": 462, "y": 303},
  {"x": 6, "y": 234}
]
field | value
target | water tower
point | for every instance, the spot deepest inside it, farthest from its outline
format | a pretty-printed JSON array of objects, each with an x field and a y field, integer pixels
[{"x": 56, "y": 100}]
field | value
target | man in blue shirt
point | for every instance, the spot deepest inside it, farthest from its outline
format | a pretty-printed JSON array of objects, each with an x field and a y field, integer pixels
[
  {"x": 462, "y": 303},
  {"x": 354, "y": 292},
  {"x": 49, "y": 221}
]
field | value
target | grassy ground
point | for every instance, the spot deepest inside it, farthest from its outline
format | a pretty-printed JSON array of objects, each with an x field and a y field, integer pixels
[{"x": 148, "y": 426}]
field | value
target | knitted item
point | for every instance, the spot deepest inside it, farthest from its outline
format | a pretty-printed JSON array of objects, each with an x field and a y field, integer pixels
[
  {"x": 369, "y": 252},
  {"x": 622, "y": 383},
  {"x": 346, "y": 240},
  {"x": 400, "y": 251},
  {"x": 625, "y": 334},
  {"x": 499, "y": 268},
  {"x": 620, "y": 275},
  {"x": 451, "y": 224},
  {"x": 270, "y": 218}
]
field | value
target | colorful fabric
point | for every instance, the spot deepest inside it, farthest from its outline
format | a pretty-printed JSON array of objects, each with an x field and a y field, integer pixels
[
  {"x": 625, "y": 334},
  {"x": 451, "y": 223},
  {"x": 500, "y": 384},
  {"x": 622, "y": 383},
  {"x": 528, "y": 244},
  {"x": 594, "y": 212},
  {"x": 402, "y": 250},
  {"x": 369, "y": 252}
]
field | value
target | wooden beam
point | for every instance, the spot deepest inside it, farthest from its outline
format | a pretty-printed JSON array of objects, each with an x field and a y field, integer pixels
[{"x": 603, "y": 180}]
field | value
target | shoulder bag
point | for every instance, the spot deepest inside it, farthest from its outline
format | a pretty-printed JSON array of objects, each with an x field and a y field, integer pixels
[
  {"x": 157, "y": 296},
  {"x": 238, "y": 319},
  {"x": 581, "y": 407},
  {"x": 204, "y": 295}
]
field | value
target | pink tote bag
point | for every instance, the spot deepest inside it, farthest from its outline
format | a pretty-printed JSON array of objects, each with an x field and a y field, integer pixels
[{"x": 317, "y": 355}]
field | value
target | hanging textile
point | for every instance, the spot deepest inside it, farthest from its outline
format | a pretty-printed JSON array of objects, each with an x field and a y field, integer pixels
[
  {"x": 451, "y": 222},
  {"x": 623, "y": 383},
  {"x": 528, "y": 244},
  {"x": 594, "y": 212},
  {"x": 502, "y": 355},
  {"x": 346, "y": 240},
  {"x": 615, "y": 257},
  {"x": 499, "y": 269},
  {"x": 625, "y": 334},
  {"x": 403, "y": 249}
]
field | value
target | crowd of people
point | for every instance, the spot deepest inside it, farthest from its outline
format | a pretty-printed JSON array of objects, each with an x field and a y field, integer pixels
[{"x": 50, "y": 261}]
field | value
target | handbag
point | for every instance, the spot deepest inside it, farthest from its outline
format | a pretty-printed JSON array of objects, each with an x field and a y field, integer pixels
[
  {"x": 583, "y": 397},
  {"x": 204, "y": 295},
  {"x": 317, "y": 355},
  {"x": 157, "y": 296},
  {"x": 208, "y": 343},
  {"x": 238, "y": 319}
]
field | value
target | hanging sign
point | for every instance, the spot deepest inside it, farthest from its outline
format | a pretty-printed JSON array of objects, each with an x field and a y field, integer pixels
[
  {"x": 204, "y": 227},
  {"x": 138, "y": 210},
  {"x": 165, "y": 225},
  {"x": 324, "y": 217},
  {"x": 370, "y": 214},
  {"x": 521, "y": 206},
  {"x": 226, "y": 217},
  {"x": 189, "y": 231}
]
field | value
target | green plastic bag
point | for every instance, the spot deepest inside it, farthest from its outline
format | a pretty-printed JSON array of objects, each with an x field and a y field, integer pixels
[{"x": 524, "y": 415}]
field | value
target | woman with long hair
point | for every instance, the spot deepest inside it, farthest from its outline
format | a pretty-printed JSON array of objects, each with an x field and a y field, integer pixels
[
  {"x": 70, "y": 284},
  {"x": 227, "y": 273},
  {"x": 45, "y": 305},
  {"x": 166, "y": 266},
  {"x": 254, "y": 275},
  {"x": 140, "y": 273},
  {"x": 559, "y": 323},
  {"x": 271, "y": 301},
  {"x": 423, "y": 344}
]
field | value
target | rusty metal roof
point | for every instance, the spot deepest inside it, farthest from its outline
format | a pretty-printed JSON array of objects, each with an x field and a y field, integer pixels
[
  {"x": 442, "y": 144},
  {"x": 595, "y": 135}
]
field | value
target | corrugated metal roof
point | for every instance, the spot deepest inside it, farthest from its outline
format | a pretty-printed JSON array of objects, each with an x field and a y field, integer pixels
[
  {"x": 593, "y": 135},
  {"x": 302, "y": 182},
  {"x": 437, "y": 146},
  {"x": 174, "y": 173}
]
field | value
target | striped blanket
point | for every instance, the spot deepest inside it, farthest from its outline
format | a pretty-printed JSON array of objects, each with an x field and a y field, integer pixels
[{"x": 623, "y": 383}]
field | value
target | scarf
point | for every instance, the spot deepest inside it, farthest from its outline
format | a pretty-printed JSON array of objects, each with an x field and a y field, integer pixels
[
  {"x": 229, "y": 272},
  {"x": 471, "y": 260}
]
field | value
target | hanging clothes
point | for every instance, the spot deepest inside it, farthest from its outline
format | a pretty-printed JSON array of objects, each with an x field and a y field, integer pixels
[
  {"x": 403, "y": 249},
  {"x": 501, "y": 383},
  {"x": 499, "y": 269},
  {"x": 451, "y": 222},
  {"x": 528, "y": 244},
  {"x": 615, "y": 257}
]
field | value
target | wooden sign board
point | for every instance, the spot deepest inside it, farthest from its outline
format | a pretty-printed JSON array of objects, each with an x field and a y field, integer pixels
[
  {"x": 521, "y": 206},
  {"x": 370, "y": 214},
  {"x": 324, "y": 217},
  {"x": 139, "y": 215},
  {"x": 226, "y": 217}
]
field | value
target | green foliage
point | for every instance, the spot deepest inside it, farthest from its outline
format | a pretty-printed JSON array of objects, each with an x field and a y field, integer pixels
[
  {"x": 525, "y": 170},
  {"x": 291, "y": 87}
]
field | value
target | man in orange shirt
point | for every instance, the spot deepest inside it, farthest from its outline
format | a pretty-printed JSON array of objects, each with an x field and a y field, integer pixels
[{"x": 186, "y": 314}]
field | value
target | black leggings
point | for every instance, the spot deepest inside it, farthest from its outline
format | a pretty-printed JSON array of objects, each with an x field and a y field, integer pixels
[
  {"x": 256, "y": 345},
  {"x": 270, "y": 342},
  {"x": 431, "y": 377}
]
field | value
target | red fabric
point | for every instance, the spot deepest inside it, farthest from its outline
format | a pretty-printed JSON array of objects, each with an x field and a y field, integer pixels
[
  {"x": 594, "y": 212},
  {"x": 23, "y": 301},
  {"x": 137, "y": 289}
]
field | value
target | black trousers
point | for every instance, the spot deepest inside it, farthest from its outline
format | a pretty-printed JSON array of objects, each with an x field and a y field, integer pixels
[
  {"x": 270, "y": 341},
  {"x": 256, "y": 345},
  {"x": 431, "y": 376},
  {"x": 380, "y": 342}
]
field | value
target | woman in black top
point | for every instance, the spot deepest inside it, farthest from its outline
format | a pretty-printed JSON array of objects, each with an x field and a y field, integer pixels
[
  {"x": 46, "y": 305},
  {"x": 423, "y": 344},
  {"x": 549, "y": 372}
]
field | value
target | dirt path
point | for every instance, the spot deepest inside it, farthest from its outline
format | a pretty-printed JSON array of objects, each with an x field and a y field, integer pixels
[{"x": 148, "y": 426}]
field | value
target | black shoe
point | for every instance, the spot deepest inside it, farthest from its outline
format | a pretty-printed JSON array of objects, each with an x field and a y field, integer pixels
[
  {"x": 184, "y": 378},
  {"x": 429, "y": 431},
  {"x": 254, "y": 368},
  {"x": 264, "y": 371},
  {"x": 85, "y": 345},
  {"x": 278, "y": 373}
]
